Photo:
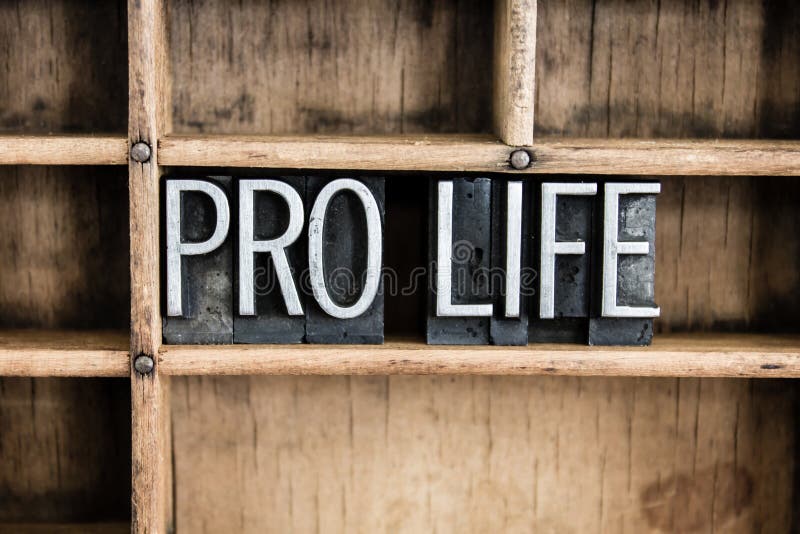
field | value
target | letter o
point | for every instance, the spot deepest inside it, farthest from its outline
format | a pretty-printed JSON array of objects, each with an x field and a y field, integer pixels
[{"x": 374, "y": 248}]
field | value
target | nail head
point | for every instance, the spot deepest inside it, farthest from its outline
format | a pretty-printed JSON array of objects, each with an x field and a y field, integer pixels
[
  {"x": 140, "y": 152},
  {"x": 520, "y": 159},
  {"x": 144, "y": 364}
]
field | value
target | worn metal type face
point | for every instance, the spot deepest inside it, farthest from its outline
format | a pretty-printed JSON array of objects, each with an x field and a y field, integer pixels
[
  {"x": 199, "y": 262},
  {"x": 460, "y": 301},
  {"x": 625, "y": 303},
  {"x": 564, "y": 253},
  {"x": 511, "y": 277},
  {"x": 300, "y": 259},
  {"x": 271, "y": 257},
  {"x": 345, "y": 256}
]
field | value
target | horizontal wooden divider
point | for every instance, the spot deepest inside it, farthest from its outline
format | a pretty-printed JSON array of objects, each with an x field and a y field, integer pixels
[
  {"x": 63, "y": 150},
  {"x": 708, "y": 355},
  {"x": 387, "y": 153},
  {"x": 64, "y": 353},
  {"x": 668, "y": 157},
  {"x": 484, "y": 153},
  {"x": 445, "y": 153}
]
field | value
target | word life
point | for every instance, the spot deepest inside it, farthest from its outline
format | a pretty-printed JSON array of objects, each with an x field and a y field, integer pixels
[
  {"x": 590, "y": 246},
  {"x": 477, "y": 226}
]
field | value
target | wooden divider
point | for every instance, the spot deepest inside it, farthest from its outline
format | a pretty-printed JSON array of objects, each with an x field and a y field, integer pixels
[
  {"x": 150, "y": 408},
  {"x": 693, "y": 355},
  {"x": 63, "y": 150},
  {"x": 514, "y": 70},
  {"x": 484, "y": 153}
]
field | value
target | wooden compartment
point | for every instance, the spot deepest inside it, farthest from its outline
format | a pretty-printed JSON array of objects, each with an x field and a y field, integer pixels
[
  {"x": 563, "y": 454},
  {"x": 483, "y": 454},
  {"x": 676, "y": 69},
  {"x": 64, "y": 65},
  {"x": 314, "y": 67},
  {"x": 728, "y": 255},
  {"x": 66, "y": 454},
  {"x": 64, "y": 271},
  {"x": 64, "y": 248},
  {"x": 64, "y": 311},
  {"x": 493, "y": 453},
  {"x": 702, "y": 94}
]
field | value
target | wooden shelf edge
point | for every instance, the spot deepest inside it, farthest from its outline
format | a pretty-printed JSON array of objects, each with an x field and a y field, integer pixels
[
  {"x": 484, "y": 153},
  {"x": 456, "y": 153},
  {"x": 54, "y": 353},
  {"x": 63, "y": 150},
  {"x": 699, "y": 157},
  {"x": 734, "y": 355}
]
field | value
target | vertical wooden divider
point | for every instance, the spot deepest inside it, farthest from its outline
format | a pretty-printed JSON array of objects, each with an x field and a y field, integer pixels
[
  {"x": 514, "y": 70},
  {"x": 148, "y": 119}
]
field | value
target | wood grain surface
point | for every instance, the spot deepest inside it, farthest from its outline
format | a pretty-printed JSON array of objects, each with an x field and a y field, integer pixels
[
  {"x": 148, "y": 118},
  {"x": 63, "y": 150},
  {"x": 87, "y": 353},
  {"x": 694, "y": 355},
  {"x": 484, "y": 153},
  {"x": 351, "y": 66},
  {"x": 63, "y": 66},
  {"x": 514, "y": 65},
  {"x": 63, "y": 247},
  {"x": 684, "y": 68},
  {"x": 482, "y": 454},
  {"x": 65, "y": 446}
]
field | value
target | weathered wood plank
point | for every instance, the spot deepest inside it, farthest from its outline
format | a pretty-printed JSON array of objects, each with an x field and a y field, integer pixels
[
  {"x": 63, "y": 248},
  {"x": 346, "y": 67},
  {"x": 148, "y": 119},
  {"x": 715, "y": 355},
  {"x": 63, "y": 353},
  {"x": 63, "y": 66},
  {"x": 483, "y": 454},
  {"x": 63, "y": 150},
  {"x": 682, "y": 68},
  {"x": 479, "y": 153},
  {"x": 514, "y": 70}
]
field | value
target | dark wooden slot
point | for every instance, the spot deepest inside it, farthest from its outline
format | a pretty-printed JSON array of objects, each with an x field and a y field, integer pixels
[
  {"x": 66, "y": 450},
  {"x": 64, "y": 248},
  {"x": 680, "y": 69},
  {"x": 315, "y": 67},
  {"x": 64, "y": 66}
]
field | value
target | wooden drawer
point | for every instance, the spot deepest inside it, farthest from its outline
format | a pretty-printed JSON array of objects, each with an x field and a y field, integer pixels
[{"x": 695, "y": 433}]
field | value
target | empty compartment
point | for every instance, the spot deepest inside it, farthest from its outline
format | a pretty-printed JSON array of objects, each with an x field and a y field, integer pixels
[
  {"x": 482, "y": 454},
  {"x": 348, "y": 67},
  {"x": 728, "y": 254},
  {"x": 66, "y": 451},
  {"x": 64, "y": 248},
  {"x": 682, "y": 68},
  {"x": 60, "y": 62}
]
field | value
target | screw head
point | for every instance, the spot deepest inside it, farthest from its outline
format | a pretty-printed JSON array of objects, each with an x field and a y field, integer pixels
[
  {"x": 140, "y": 152},
  {"x": 144, "y": 364},
  {"x": 520, "y": 159}
]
